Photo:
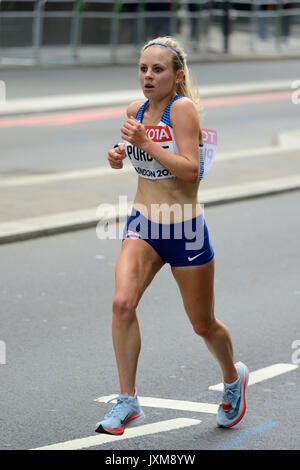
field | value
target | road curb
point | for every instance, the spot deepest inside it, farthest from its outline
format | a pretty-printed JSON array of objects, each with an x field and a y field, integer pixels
[
  {"x": 216, "y": 57},
  {"x": 53, "y": 224}
]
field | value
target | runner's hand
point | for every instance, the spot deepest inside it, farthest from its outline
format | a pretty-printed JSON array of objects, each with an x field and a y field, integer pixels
[
  {"x": 116, "y": 157},
  {"x": 134, "y": 132}
]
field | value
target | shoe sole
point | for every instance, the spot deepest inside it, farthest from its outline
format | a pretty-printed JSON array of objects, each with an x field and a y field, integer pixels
[
  {"x": 118, "y": 432},
  {"x": 245, "y": 383}
]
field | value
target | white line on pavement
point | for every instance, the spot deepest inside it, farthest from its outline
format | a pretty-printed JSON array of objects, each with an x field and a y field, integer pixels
[
  {"x": 111, "y": 98},
  {"x": 137, "y": 431},
  {"x": 262, "y": 374},
  {"x": 64, "y": 176},
  {"x": 169, "y": 425},
  {"x": 240, "y": 191},
  {"x": 170, "y": 404},
  {"x": 261, "y": 151},
  {"x": 128, "y": 168}
]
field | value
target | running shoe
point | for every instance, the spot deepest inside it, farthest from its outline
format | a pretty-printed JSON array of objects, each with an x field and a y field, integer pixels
[
  {"x": 233, "y": 405},
  {"x": 126, "y": 409}
]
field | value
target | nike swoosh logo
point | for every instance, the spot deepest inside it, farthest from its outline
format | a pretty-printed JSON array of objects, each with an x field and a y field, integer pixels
[
  {"x": 194, "y": 257},
  {"x": 123, "y": 420}
]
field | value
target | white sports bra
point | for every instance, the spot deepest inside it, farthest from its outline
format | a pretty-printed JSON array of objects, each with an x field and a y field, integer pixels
[{"x": 149, "y": 168}]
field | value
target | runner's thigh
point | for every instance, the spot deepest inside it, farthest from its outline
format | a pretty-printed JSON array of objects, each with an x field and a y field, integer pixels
[
  {"x": 196, "y": 284},
  {"x": 136, "y": 267}
]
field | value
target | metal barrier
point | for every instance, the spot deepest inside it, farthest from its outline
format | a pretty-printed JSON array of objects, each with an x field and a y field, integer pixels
[
  {"x": 38, "y": 24},
  {"x": 203, "y": 25},
  {"x": 268, "y": 19}
]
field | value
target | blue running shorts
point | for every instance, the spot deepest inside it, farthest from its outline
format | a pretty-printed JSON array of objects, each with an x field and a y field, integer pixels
[{"x": 184, "y": 243}]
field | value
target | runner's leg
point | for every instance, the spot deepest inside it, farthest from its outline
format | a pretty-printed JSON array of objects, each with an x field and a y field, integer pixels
[
  {"x": 136, "y": 267},
  {"x": 196, "y": 284}
]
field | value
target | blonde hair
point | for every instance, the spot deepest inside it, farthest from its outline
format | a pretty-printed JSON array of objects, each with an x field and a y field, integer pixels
[{"x": 186, "y": 86}]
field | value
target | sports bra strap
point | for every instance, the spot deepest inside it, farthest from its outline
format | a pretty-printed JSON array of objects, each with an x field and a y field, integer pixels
[
  {"x": 166, "y": 115},
  {"x": 140, "y": 113}
]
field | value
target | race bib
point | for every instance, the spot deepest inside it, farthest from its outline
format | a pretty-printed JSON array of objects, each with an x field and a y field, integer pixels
[{"x": 208, "y": 150}]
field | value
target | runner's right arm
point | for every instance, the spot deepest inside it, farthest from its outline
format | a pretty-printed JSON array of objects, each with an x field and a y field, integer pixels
[{"x": 117, "y": 154}]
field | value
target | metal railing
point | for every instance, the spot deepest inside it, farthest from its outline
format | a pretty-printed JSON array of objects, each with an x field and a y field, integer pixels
[{"x": 203, "y": 25}]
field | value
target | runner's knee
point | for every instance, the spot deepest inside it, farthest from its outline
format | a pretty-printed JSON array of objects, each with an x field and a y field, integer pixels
[
  {"x": 203, "y": 327},
  {"x": 123, "y": 307}
]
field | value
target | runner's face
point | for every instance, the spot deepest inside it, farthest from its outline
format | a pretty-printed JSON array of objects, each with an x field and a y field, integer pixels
[{"x": 157, "y": 76}]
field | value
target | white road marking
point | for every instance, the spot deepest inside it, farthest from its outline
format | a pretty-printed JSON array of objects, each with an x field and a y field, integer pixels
[
  {"x": 111, "y": 98},
  {"x": 286, "y": 146},
  {"x": 239, "y": 191},
  {"x": 169, "y": 425},
  {"x": 138, "y": 431},
  {"x": 170, "y": 404},
  {"x": 64, "y": 176},
  {"x": 262, "y": 374},
  {"x": 128, "y": 168}
]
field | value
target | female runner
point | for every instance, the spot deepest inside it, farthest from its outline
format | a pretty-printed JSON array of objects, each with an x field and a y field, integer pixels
[{"x": 162, "y": 138}]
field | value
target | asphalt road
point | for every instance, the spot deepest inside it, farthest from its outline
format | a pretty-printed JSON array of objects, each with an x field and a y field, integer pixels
[
  {"x": 33, "y": 82},
  {"x": 56, "y": 297},
  {"x": 34, "y": 148}
]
